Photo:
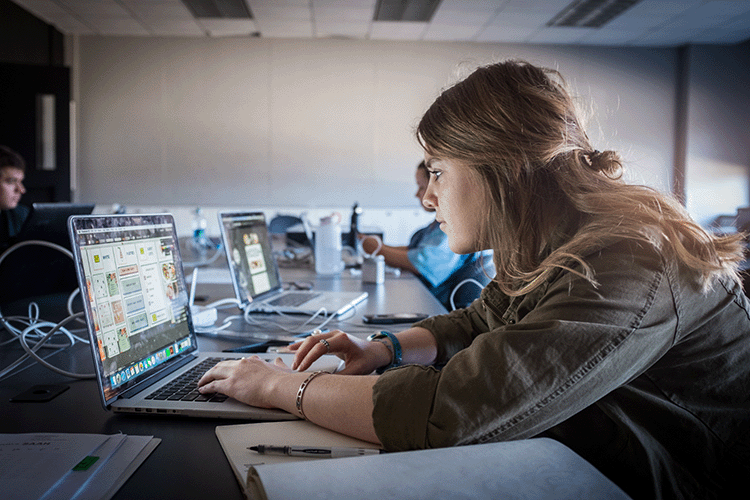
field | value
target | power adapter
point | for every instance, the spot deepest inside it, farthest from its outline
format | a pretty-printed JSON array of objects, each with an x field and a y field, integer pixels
[{"x": 204, "y": 316}]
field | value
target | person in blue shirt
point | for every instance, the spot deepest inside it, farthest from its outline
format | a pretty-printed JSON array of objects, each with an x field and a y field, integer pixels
[
  {"x": 12, "y": 214},
  {"x": 430, "y": 258}
]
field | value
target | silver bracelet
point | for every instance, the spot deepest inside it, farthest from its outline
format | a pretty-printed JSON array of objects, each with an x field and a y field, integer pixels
[{"x": 301, "y": 391}]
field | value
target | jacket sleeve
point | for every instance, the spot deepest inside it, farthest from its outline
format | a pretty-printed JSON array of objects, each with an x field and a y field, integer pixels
[
  {"x": 456, "y": 330},
  {"x": 572, "y": 346}
]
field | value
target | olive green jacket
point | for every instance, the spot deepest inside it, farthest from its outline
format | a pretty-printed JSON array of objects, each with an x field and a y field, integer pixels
[{"x": 645, "y": 375}]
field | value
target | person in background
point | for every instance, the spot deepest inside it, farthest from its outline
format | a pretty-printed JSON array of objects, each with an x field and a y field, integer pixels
[
  {"x": 615, "y": 324},
  {"x": 12, "y": 214},
  {"x": 430, "y": 258}
]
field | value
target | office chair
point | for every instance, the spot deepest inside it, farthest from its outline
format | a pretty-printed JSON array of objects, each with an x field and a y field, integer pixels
[
  {"x": 280, "y": 223},
  {"x": 474, "y": 272}
]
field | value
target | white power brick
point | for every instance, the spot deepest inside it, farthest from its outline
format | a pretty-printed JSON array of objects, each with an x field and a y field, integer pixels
[{"x": 204, "y": 316}]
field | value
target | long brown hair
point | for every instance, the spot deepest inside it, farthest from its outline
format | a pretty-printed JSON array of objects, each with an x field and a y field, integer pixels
[{"x": 554, "y": 198}]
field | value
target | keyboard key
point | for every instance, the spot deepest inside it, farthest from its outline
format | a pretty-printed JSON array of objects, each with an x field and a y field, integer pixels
[{"x": 185, "y": 388}]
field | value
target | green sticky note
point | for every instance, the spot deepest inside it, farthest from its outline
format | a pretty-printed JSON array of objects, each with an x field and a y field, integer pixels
[{"x": 85, "y": 463}]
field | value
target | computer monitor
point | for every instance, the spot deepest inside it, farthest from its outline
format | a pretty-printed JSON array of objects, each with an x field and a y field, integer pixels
[{"x": 49, "y": 222}]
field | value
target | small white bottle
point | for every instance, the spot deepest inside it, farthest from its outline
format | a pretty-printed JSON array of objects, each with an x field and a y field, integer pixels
[
  {"x": 328, "y": 247},
  {"x": 373, "y": 269}
]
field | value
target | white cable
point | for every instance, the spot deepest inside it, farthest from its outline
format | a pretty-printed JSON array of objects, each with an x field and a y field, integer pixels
[
  {"x": 31, "y": 351},
  {"x": 455, "y": 289},
  {"x": 205, "y": 262},
  {"x": 298, "y": 329},
  {"x": 35, "y": 242},
  {"x": 377, "y": 249},
  {"x": 32, "y": 324},
  {"x": 222, "y": 302}
]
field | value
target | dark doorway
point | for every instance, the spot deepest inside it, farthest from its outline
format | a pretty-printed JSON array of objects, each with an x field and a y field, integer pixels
[{"x": 35, "y": 121}]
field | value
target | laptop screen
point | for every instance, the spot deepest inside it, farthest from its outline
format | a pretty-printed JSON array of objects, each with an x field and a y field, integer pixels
[
  {"x": 48, "y": 222},
  {"x": 251, "y": 263},
  {"x": 137, "y": 301}
]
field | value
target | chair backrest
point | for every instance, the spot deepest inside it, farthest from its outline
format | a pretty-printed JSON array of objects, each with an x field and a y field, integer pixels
[
  {"x": 481, "y": 269},
  {"x": 280, "y": 223},
  {"x": 33, "y": 271}
]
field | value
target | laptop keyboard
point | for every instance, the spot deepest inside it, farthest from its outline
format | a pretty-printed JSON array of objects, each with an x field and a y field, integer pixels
[
  {"x": 293, "y": 299},
  {"x": 185, "y": 387}
]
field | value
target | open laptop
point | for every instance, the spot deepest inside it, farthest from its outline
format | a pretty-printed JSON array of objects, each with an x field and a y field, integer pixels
[
  {"x": 140, "y": 327},
  {"x": 48, "y": 222},
  {"x": 255, "y": 272}
]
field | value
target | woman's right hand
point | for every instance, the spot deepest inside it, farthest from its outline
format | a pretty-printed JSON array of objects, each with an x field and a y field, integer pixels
[{"x": 360, "y": 356}]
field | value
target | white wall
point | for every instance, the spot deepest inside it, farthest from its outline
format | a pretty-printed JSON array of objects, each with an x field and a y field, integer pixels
[
  {"x": 318, "y": 124},
  {"x": 315, "y": 125},
  {"x": 718, "y": 142}
]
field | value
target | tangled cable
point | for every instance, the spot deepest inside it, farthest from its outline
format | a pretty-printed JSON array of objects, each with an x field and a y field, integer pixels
[{"x": 33, "y": 333}]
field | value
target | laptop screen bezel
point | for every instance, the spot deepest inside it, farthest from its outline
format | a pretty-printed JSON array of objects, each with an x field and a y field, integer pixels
[
  {"x": 76, "y": 224},
  {"x": 240, "y": 293}
]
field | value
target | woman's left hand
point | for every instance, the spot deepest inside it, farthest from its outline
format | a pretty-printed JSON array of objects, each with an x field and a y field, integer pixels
[{"x": 249, "y": 380}]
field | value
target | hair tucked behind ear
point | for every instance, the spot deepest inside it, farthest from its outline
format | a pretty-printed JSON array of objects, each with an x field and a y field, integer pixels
[{"x": 554, "y": 198}]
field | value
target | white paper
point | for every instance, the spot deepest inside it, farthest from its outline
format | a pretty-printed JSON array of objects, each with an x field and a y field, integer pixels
[
  {"x": 31, "y": 464},
  {"x": 526, "y": 469},
  {"x": 235, "y": 440},
  {"x": 76, "y": 480},
  {"x": 533, "y": 469},
  {"x": 40, "y": 465}
]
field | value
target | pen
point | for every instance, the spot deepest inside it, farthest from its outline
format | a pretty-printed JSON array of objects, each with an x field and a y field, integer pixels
[{"x": 313, "y": 451}]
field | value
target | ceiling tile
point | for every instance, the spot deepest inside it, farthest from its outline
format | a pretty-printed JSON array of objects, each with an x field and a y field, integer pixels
[
  {"x": 284, "y": 28},
  {"x": 117, "y": 26},
  {"x": 280, "y": 13},
  {"x": 506, "y": 34},
  {"x": 277, "y": 4},
  {"x": 69, "y": 24},
  {"x": 453, "y": 33},
  {"x": 393, "y": 30},
  {"x": 151, "y": 9},
  {"x": 649, "y": 22},
  {"x": 462, "y": 16},
  {"x": 42, "y": 8},
  {"x": 96, "y": 8},
  {"x": 228, "y": 27},
  {"x": 342, "y": 15},
  {"x": 326, "y": 29},
  {"x": 175, "y": 27},
  {"x": 346, "y": 4},
  {"x": 554, "y": 35}
]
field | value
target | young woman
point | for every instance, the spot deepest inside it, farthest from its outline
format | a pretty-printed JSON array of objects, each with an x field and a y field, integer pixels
[{"x": 615, "y": 324}]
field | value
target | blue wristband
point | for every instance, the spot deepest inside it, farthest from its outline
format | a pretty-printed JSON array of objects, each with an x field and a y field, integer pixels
[{"x": 396, "y": 352}]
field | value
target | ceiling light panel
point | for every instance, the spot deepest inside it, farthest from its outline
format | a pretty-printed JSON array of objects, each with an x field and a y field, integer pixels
[
  {"x": 224, "y": 9},
  {"x": 405, "y": 10},
  {"x": 590, "y": 13}
]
